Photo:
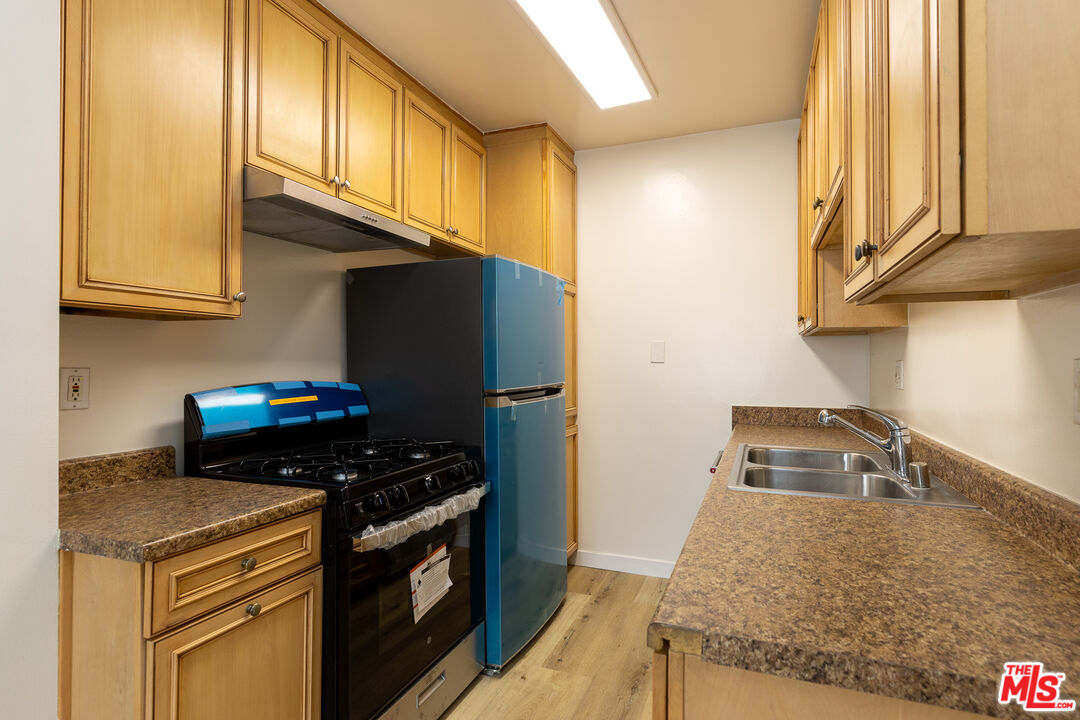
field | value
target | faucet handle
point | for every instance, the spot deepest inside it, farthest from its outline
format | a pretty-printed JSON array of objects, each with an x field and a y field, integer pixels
[{"x": 891, "y": 422}]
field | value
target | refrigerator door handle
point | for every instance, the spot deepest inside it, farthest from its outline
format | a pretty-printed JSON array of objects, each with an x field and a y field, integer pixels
[{"x": 502, "y": 401}]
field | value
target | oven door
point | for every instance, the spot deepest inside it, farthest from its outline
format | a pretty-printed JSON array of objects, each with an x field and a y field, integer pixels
[{"x": 391, "y": 644}]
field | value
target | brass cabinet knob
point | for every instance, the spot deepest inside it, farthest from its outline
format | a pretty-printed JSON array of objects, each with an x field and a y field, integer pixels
[
  {"x": 240, "y": 296},
  {"x": 248, "y": 564},
  {"x": 253, "y": 609},
  {"x": 818, "y": 202}
]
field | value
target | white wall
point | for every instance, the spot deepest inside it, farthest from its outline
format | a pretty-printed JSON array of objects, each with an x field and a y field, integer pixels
[
  {"x": 691, "y": 241},
  {"x": 992, "y": 379},
  {"x": 29, "y": 284},
  {"x": 292, "y": 328}
]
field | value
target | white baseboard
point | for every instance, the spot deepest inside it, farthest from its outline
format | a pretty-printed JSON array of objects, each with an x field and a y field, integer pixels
[{"x": 624, "y": 563}]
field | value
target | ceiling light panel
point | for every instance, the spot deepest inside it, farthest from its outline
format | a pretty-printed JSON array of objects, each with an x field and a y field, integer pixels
[{"x": 584, "y": 34}]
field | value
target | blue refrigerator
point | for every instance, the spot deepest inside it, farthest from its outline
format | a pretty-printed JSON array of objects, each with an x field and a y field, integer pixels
[{"x": 471, "y": 350}]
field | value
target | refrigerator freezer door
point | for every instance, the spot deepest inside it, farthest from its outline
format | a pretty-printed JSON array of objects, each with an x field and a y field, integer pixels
[
  {"x": 525, "y": 520},
  {"x": 523, "y": 326}
]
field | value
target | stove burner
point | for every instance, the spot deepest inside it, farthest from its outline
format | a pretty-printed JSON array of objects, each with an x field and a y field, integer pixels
[
  {"x": 346, "y": 461},
  {"x": 416, "y": 453}
]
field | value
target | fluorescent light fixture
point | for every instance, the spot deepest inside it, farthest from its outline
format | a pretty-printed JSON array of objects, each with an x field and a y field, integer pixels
[{"x": 589, "y": 38}]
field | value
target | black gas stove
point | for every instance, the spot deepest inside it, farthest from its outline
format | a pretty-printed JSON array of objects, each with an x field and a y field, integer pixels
[
  {"x": 372, "y": 478},
  {"x": 377, "y": 643}
]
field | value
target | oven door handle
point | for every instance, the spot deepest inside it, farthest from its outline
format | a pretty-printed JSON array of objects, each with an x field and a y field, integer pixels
[{"x": 398, "y": 531}]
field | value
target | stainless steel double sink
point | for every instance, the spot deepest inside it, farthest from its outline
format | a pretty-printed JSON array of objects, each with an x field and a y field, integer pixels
[{"x": 851, "y": 475}]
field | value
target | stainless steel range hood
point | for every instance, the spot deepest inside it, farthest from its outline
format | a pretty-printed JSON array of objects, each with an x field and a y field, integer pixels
[{"x": 285, "y": 209}]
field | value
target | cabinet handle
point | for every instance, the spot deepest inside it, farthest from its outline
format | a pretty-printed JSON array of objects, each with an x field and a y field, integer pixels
[
  {"x": 347, "y": 184},
  {"x": 253, "y": 609},
  {"x": 335, "y": 180},
  {"x": 248, "y": 564},
  {"x": 818, "y": 202},
  {"x": 864, "y": 249},
  {"x": 240, "y": 296}
]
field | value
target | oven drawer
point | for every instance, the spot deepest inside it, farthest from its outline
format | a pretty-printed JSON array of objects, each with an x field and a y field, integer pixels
[{"x": 192, "y": 583}]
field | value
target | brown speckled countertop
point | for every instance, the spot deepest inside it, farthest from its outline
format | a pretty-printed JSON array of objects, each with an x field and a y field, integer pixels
[
  {"x": 917, "y": 603},
  {"x": 161, "y": 515}
]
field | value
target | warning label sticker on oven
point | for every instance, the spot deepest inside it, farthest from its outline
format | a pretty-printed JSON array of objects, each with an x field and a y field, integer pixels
[{"x": 429, "y": 582}]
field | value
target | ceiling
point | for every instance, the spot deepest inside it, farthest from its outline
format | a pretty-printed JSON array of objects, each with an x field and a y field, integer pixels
[{"x": 715, "y": 63}]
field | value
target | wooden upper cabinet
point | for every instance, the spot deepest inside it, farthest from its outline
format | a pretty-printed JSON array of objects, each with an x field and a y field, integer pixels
[
  {"x": 292, "y": 93},
  {"x": 257, "y": 659},
  {"x": 152, "y": 129},
  {"x": 834, "y": 169},
  {"x": 371, "y": 134},
  {"x": 427, "y": 166},
  {"x": 562, "y": 213},
  {"x": 468, "y": 170},
  {"x": 918, "y": 47},
  {"x": 859, "y": 150}
]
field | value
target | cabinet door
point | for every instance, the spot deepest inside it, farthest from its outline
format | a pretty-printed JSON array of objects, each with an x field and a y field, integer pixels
[
  {"x": 802, "y": 239},
  {"x": 819, "y": 144},
  {"x": 570, "y": 348},
  {"x": 918, "y": 47},
  {"x": 834, "y": 24},
  {"x": 468, "y": 175},
  {"x": 152, "y": 122},
  {"x": 858, "y": 204},
  {"x": 427, "y": 167},
  {"x": 257, "y": 659},
  {"x": 292, "y": 93},
  {"x": 571, "y": 490},
  {"x": 371, "y": 123},
  {"x": 562, "y": 213}
]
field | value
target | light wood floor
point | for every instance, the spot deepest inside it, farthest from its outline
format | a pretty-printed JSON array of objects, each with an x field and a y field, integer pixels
[{"x": 590, "y": 661}]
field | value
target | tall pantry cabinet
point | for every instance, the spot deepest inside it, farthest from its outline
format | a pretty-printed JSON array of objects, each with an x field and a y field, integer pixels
[{"x": 532, "y": 218}]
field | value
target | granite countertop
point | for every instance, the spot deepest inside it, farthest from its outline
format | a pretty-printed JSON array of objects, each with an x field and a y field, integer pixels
[
  {"x": 146, "y": 519},
  {"x": 917, "y": 603}
]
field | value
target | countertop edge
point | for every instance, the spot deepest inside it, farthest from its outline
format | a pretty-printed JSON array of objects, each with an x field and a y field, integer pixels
[
  {"x": 854, "y": 672},
  {"x": 148, "y": 551}
]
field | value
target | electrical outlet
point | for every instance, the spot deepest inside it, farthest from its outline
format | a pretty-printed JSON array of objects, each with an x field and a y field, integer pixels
[
  {"x": 898, "y": 375},
  {"x": 74, "y": 388},
  {"x": 1076, "y": 391}
]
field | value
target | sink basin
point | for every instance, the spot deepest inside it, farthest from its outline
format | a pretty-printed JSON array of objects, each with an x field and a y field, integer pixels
[
  {"x": 844, "y": 474},
  {"x": 860, "y": 485},
  {"x": 815, "y": 459}
]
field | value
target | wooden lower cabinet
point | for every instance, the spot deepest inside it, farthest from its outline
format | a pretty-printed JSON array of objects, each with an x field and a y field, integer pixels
[
  {"x": 253, "y": 651},
  {"x": 257, "y": 659},
  {"x": 685, "y": 687}
]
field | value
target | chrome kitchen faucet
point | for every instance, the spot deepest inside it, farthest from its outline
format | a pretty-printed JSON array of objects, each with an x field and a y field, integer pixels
[{"x": 897, "y": 445}]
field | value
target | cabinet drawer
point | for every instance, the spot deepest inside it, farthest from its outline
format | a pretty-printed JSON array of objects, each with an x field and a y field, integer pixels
[{"x": 192, "y": 583}]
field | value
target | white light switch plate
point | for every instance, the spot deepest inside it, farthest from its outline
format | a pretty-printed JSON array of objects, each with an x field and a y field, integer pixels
[
  {"x": 1076, "y": 391},
  {"x": 657, "y": 350},
  {"x": 74, "y": 388},
  {"x": 898, "y": 375}
]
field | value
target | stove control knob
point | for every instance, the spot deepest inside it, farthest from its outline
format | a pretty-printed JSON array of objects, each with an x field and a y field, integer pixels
[
  {"x": 376, "y": 503},
  {"x": 398, "y": 496},
  {"x": 456, "y": 473},
  {"x": 474, "y": 469},
  {"x": 432, "y": 484}
]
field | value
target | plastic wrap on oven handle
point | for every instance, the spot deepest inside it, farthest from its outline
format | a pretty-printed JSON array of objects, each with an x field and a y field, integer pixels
[{"x": 398, "y": 531}]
